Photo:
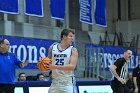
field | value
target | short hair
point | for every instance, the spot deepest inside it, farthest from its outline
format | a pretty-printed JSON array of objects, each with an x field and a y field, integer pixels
[
  {"x": 21, "y": 74},
  {"x": 38, "y": 75},
  {"x": 127, "y": 49},
  {"x": 65, "y": 32}
]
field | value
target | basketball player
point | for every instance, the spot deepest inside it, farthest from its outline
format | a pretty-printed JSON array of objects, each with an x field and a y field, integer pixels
[
  {"x": 120, "y": 70},
  {"x": 64, "y": 59}
]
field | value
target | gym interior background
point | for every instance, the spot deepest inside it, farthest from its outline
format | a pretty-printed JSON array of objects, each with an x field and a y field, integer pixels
[{"x": 123, "y": 30}]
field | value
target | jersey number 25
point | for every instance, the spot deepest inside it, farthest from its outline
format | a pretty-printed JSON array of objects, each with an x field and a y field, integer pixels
[{"x": 59, "y": 61}]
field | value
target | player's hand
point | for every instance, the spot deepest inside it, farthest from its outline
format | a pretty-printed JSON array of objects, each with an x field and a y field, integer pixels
[
  {"x": 121, "y": 80},
  {"x": 51, "y": 66},
  {"x": 136, "y": 90}
]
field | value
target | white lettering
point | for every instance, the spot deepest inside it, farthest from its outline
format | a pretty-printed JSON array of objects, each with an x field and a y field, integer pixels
[
  {"x": 108, "y": 59},
  {"x": 31, "y": 53},
  {"x": 22, "y": 49},
  {"x": 42, "y": 52},
  {"x": 13, "y": 48}
]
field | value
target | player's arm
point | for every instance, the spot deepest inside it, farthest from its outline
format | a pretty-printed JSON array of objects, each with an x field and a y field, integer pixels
[
  {"x": 113, "y": 71},
  {"x": 50, "y": 52},
  {"x": 72, "y": 63}
]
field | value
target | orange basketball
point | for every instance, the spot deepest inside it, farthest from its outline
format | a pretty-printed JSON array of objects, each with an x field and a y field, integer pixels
[{"x": 42, "y": 63}]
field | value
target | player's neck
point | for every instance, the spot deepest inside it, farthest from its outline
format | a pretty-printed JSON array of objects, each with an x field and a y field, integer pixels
[{"x": 63, "y": 45}]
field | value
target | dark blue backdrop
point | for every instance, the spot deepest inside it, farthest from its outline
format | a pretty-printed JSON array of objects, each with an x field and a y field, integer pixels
[{"x": 29, "y": 49}]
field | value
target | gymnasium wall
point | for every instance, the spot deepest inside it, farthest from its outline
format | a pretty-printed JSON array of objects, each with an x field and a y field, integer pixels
[{"x": 46, "y": 28}]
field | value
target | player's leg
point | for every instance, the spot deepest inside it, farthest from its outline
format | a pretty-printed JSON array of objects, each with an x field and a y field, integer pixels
[
  {"x": 53, "y": 89},
  {"x": 117, "y": 87},
  {"x": 113, "y": 86},
  {"x": 67, "y": 89},
  {"x": 127, "y": 90}
]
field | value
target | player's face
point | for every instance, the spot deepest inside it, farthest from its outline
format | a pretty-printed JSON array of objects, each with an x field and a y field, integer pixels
[
  {"x": 128, "y": 54},
  {"x": 69, "y": 38}
]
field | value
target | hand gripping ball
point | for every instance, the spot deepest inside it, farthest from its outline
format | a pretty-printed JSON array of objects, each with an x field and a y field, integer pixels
[{"x": 43, "y": 62}]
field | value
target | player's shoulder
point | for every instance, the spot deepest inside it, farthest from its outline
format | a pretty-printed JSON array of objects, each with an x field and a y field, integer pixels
[
  {"x": 55, "y": 43},
  {"x": 121, "y": 59},
  {"x": 74, "y": 50}
]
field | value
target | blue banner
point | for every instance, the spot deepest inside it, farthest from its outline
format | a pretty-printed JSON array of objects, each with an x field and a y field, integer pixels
[
  {"x": 86, "y": 11},
  {"x": 57, "y": 9},
  {"x": 100, "y": 13},
  {"x": 9, "y": 6},
  {"x": 29, "y": 49},
  {"x": 109, "y": 54},
  {"x": 34, "y": 8}
]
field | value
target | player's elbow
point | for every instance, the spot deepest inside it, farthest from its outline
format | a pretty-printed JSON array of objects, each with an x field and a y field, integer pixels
[
  {"x": 72, "y": 67},
  {"x": 112, "y": 68}
]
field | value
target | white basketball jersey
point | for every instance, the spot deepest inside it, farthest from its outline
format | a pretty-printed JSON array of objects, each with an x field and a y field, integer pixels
[{"x": 61, "y": 58}]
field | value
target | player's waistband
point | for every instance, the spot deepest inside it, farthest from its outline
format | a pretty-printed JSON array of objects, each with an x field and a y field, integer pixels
[{"x": 64, "y": 81}]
